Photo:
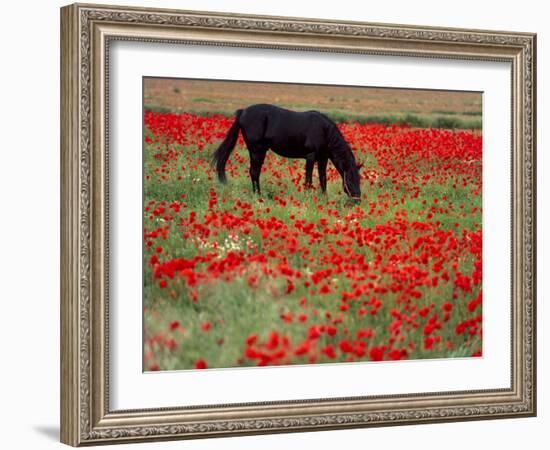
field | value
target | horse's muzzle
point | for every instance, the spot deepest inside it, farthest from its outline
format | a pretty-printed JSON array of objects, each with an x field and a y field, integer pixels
[{"x": 353, "y": 200}]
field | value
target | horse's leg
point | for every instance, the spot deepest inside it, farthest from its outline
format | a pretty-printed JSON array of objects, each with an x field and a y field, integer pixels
[
  {"x": 322, "y": 169},
  {"x": 257, "y": 157},
  {"x": 310, "y": 163}
]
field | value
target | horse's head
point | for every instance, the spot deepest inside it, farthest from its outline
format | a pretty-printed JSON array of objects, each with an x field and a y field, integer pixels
[{"x": 351, "y": 181}]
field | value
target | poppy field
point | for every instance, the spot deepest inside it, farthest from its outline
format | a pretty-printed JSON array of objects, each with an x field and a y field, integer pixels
[{"x": 233, "y": 279}]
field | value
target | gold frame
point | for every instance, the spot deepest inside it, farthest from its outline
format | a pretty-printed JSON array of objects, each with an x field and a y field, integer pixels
[{"x": 86, "y": 31}]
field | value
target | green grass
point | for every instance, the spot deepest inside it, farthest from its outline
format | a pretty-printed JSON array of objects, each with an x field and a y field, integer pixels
[
  {"x": 414, "y": 120},
  {"x": 202, "y": 100}
]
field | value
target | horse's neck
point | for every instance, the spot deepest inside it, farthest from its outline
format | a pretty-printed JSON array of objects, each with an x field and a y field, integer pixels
[
  {"x": 338, "y": 164},
  {"x": 339, "y": 150},
  {"x": 339, "y": 155}
]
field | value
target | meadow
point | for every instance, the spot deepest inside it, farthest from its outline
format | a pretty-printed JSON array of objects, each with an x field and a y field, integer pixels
[
  {"x": 233, "y": 279},
  {"x": 418, "y": 108}
]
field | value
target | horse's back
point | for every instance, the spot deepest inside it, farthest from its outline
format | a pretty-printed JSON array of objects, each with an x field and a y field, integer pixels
[
  {"x": 261, "y": 111},
  {"x": 288, "y": 133}
]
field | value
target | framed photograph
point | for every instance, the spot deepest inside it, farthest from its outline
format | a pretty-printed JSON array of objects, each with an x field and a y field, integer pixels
[{"x": 276, "y": 225}]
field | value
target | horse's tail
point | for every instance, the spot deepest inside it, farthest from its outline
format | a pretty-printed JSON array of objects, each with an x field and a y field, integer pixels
[{"x": 221, "y": 155}]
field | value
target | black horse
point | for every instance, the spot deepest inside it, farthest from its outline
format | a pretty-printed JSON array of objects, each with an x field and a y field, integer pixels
[{"x": 309, "y": 135}]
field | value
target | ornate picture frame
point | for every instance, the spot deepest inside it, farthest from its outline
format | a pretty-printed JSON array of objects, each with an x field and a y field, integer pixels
[{"x": 87, "y": 31}]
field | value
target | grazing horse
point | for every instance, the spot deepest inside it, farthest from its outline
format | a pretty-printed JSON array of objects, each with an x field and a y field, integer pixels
[{"x": 309, "y": 135}]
